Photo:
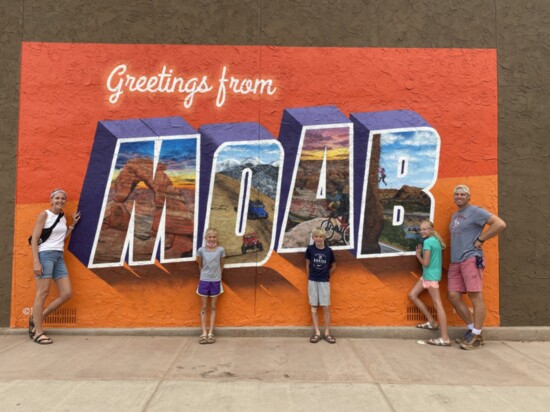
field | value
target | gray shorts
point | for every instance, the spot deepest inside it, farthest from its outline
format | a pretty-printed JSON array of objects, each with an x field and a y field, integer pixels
[{"x": 319, "y": 293}]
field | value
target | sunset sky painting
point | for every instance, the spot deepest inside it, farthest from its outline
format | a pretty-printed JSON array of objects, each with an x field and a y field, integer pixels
[{"x": 334, "y": 140}]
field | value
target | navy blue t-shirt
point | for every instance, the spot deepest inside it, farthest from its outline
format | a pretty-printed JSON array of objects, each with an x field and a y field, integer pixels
[{"x": 320, "y": 261}]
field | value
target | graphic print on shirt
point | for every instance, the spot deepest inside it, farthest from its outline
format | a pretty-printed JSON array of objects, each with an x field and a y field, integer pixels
[{"x": 319, "y": 260}]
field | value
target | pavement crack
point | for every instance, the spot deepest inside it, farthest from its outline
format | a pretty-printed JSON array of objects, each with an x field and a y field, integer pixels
[
  {"x": 526, "y": 355},
  {"x": 161, "y": 380}
]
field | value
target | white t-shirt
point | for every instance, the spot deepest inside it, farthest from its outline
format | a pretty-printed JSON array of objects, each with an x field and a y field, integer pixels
[{"x": 56, "y": 241}]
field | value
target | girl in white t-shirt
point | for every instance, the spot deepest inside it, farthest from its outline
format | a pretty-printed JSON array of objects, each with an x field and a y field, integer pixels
[{"x": 49, "y": 263}]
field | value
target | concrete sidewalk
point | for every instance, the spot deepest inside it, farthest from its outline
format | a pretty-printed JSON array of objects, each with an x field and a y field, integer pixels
[{"x": 174, "y": 373}]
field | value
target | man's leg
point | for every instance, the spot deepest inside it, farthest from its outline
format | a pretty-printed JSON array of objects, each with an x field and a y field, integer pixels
[
  {"x": 456, "y": 287},
  {"x": 463, "y": 311},
  {"x": 475, "y": 340},
  {"x": 473, "y": 277},
  {"x": 480, "y": 310}
]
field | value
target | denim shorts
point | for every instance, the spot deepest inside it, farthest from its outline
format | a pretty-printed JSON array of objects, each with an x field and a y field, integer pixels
[{"x": 53, "y": 265}]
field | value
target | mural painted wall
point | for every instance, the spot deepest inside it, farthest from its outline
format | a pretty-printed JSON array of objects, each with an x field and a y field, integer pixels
[{"x": 155, "y": 143}]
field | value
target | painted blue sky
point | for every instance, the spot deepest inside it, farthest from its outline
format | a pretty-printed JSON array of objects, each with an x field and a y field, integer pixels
[
  {"x": 266, "y": 152},
  {"x": 419, "y": 147}
]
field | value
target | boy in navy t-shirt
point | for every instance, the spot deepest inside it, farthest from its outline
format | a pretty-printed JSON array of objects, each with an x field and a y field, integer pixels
[{"x": 320, "y": 263}]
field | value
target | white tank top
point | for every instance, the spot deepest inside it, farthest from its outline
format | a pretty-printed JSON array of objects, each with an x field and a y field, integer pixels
[{"x": 56, "y": 241}]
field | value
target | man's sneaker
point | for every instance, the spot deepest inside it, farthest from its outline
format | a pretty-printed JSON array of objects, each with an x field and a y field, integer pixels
[
  {"x": 473, "y": 342},
  {"x": 466, "y": 336},
  {"x": 463, "y": 339}
]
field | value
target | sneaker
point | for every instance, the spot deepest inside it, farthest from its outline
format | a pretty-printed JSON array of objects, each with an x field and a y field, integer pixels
[
  {"x": 463, "y": 339},
  {"x": 473, "y": 342},
  {"x": 466, "y": 336}
]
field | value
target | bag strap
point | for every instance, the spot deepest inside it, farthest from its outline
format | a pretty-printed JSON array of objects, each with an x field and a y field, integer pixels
[{"x": 59, "y": 216}]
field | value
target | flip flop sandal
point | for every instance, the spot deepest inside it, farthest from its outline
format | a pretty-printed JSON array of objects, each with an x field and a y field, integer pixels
[
  {"x": 315, "y": 339},
  {"x": 203, "y": 340},
  {"x": 428, "y": 326},
  {"x": 330, "y": 339},
  {"x": 210, "y": 338},
  {"x": 438, "y": 342},
  {"x": 44, "y": 341},
  {"x": 31, "y": 327}
]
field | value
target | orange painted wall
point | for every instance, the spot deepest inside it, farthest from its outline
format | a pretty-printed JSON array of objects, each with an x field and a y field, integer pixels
[{"x": 63, "y": 96}]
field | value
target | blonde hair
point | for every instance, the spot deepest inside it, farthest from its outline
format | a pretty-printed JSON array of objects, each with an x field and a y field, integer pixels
[
  {"x": 437, "y": 235},
  {"x": 210, "y": 229},
  {"x": 319, "y": 231}
]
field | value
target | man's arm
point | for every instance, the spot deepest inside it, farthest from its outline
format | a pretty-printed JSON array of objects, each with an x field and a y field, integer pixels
[{"x": 495, "y": 226}]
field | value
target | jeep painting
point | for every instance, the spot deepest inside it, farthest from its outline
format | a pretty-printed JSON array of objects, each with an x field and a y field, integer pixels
[
  {"x": 256, "y": 204},
  {"x": 256, "y": 210}
]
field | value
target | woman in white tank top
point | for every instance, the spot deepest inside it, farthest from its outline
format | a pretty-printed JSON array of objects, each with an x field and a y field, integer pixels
[{"x": 49, "y": 263}]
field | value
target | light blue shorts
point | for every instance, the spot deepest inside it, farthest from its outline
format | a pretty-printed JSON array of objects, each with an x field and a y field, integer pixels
[{"x": 53, "y": 265}]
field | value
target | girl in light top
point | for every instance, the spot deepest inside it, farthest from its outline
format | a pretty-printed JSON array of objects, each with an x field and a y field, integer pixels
[
  {"x": 49, "y": 264},
  {"x": 210, "y": 259},
  {"x": 429, "y": 254}
]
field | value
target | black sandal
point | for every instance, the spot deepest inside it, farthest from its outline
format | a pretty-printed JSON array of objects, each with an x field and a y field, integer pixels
[
  {"x": 44, "y": 341},
  {"x": 31, "y": 327},
  {"x": 330, "y": 339}
]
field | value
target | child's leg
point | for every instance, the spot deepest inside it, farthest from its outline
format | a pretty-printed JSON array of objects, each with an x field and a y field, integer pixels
[
  {"x": 413, "y": 297},
  {"x": 441, "y": 315},
  {"x": 204, "y": 305},
  {"x": 315, "y": 319},
  {"x": 326, "y": 313},
  {"x": 213, "y": 301}
]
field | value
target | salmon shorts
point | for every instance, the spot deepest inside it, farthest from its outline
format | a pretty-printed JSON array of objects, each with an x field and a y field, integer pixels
[{"x": 465, "y": 276}]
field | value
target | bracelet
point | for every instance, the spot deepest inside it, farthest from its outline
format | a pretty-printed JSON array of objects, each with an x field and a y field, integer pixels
[{"x": 479, "y": 240}]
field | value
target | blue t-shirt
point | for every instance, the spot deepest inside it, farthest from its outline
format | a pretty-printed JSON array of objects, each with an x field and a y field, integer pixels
[
  {"x": 466, "y": 226},
  {"x": 320, "y": 261}
]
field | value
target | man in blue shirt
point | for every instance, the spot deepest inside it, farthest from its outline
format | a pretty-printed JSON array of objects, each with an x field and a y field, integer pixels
[{"x": 466, "y": 267}]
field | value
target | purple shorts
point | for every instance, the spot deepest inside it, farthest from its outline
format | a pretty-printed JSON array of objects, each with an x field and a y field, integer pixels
[
  {"x": 211, "y": 289},
  {"x": 465, "y": 277}
]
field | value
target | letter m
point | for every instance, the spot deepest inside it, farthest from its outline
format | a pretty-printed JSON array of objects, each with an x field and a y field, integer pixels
[{"x": 139, "y": 194}]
